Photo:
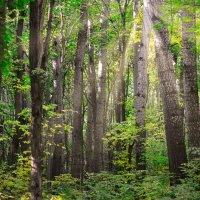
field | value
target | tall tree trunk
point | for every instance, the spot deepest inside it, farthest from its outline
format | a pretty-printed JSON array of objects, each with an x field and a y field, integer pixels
[
  {"x": 120, "y": 112},
  {"x": 141, "y": 88},
  {"x": 58, "y": 164},
  {"x": 18, "y": 141},
  {"x": 136, "y": 46},
  {"x": 191, "y": 99},
  {"x": 167, "y": 78},
  {"x": 50, "y": 149},
  {"x": 2, "y": 38},
  {"x": 2, "y": 63},
  {"x": 136, "y": 50},
  {"x": 19, "y": 97},
  {"x": 35, "y": 55},
  {"x": 46, "y": 87},
  {"x": 101, "y": 93},
  {"x": 120, "y": 96},
  {"x": 91, "y": 103},
  {"x": 44, "y": 63},
  {"x": 77, "y": 134}
]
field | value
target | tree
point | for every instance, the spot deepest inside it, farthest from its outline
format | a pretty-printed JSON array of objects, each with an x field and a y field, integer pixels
[
  {"x": 59, "y": 137},
  {"x": 44, "y": 63},
  {"x": 167, "y": 78},
  {"x": 77, "y": 134},
  {"x": 101, "y": 92},
  {"x": 2, "y": 56},
  {"x": 136, "y": 50},
  {"x": 35, "y": 55},
  {"x": 120, "y": 83},
  {"x": 91, "y": 122},
  {"x": 93, "y": 128},
  {"x": 19, "y": 98},
  {"x": 191, "y": 99},
  {"x": 2, "y": 35},
  {"x": 141, "y": 89}
]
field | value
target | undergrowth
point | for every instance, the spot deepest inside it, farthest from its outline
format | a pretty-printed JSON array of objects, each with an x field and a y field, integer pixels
[{"x": 103, "y": 186}]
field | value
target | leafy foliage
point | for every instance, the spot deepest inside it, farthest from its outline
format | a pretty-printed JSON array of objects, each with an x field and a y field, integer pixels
[
  {"x": 14, "y": 180},
  {"x": 122, "y": 182}
]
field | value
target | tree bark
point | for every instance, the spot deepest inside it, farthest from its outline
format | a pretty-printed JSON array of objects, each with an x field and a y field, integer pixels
[
  {"x": 191, "y": 99},
  {"x": 91, "y": 103},
  {"x": 44, "y": 63},
  {"x": 136, "y": 50},
  {"x": 58, "y": 164},
  {"x": 19, "y": 96},
  {"x": 136, "y": 46},
  {"x": 101, "y": 93},
  {"x": 2, "y": 39},
  {"x": 77, "y": 134},
  {"x": 2, "y": 64},
  {"x": 18, "y": 143},
  {"x": 120, "y": 96},
  {"x": 46, "y": 92},
  {"x": 141, "y": 89},
  {"x": 35, "y": 55},
  {"x": 167, "y": 78}
]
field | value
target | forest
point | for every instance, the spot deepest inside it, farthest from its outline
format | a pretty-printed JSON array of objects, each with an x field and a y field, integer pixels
[{"x": 99, "y": 99}]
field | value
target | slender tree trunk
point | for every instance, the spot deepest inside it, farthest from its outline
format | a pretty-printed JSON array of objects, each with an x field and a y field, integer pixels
[
  {"x": 91, "y": 103},
  {"x": 46, "y": 90},
  {"x": 18, "y": 140},
  {"x": 2, "y": 38},
  {"x": 120, "y": 97},
  {"x": 101, "y": 93},
  {"x": 77, "y": 135},
  {"x": 2, "y": 64},
  {"x": 44, "y": 63},
  {"x": 191, "y": 99},
  {"x": 67, "y": 147},
  {"x": 50, "y": 150},
  {"x": 136, "y": 50},
  {"x": 58, "y": 164},
  {"x": 48, "y": 35},
  {"x": 35, "y": 55},
  {"x": 136, "y": 46},
  {"x": 19, "y": 97},
  {"x": 167, "y": 78},
  {"x": 120, "y": 112},
  {"x": 142, "y": 87}
]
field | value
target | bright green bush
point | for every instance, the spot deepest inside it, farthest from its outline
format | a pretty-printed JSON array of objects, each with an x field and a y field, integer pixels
[
  {"x": 189, "y": 189},
  {"x": 63, "y": 187},
  {"x": 14, "y": 180}
]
